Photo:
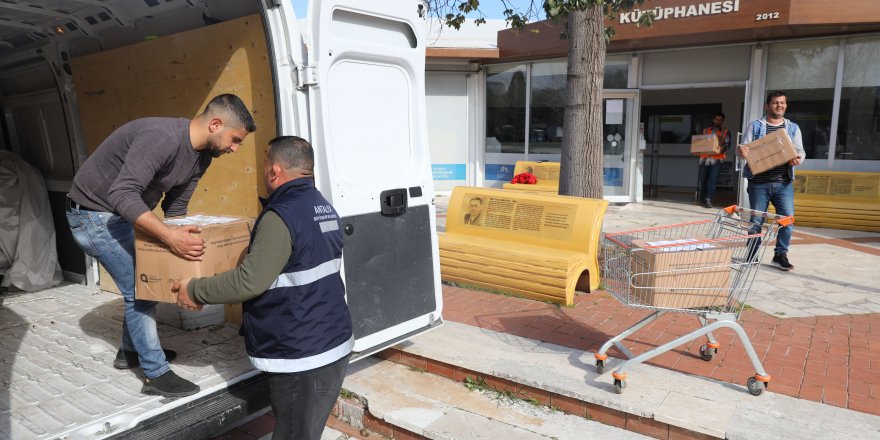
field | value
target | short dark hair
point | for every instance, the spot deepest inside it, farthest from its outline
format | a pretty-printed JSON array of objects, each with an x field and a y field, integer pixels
[
  {"x": 291, "y": 152},
  {"x": 476, "y": 198},
  {"x": 232, "y": 105},
  {"x": 775, "y": 94},
  {"x": 719, "y": 114}
]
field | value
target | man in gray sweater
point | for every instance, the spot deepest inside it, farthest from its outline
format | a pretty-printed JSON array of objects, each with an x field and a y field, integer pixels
[{"x": 116, "y": 190}]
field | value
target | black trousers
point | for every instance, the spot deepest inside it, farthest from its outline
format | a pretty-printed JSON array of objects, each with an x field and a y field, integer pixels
[{"x": 302, "y": 401}]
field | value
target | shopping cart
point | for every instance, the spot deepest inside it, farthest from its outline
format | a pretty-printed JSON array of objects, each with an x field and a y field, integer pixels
[{"x": 704, "y": 268}]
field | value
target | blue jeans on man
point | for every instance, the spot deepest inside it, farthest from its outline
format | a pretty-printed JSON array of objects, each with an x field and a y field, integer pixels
[
  {"x": 109, "y": 238},
  {"x": 781, "y": 195},
  {"x": 709, "y": 179}
]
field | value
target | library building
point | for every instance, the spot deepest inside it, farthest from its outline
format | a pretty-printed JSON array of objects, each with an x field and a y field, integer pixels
[{"x": 493, "y": 103}]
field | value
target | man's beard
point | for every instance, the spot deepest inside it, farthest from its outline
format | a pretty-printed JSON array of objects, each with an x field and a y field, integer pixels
[{"x": 213, "y": 148}]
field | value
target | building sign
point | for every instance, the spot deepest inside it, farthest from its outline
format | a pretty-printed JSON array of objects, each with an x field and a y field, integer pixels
[
  {"x": 679, "y": 18},
  {"x": 449, "y": 171},
  {"x": 499, "y": 171},
  {"x": 683, "y": 11}
]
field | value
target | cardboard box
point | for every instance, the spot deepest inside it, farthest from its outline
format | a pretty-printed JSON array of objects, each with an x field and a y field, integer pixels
[
  {"x": 226, "y": 242},
  {"x": 770, "y": 151},
  {"x": 688, "y": 273},
  {"x": 705, "y": 144}
]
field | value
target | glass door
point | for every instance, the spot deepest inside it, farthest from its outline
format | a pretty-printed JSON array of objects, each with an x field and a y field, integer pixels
[
  {"x": 671, "y": 171},
  {"x": 619, "y": 136}
]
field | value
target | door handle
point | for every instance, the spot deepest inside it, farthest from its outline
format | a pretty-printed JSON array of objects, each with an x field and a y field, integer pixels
[{"x": 393, "y": 202}]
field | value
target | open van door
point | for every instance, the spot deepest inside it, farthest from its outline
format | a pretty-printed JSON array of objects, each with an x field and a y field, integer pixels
[{"x": 366, "y": 64}]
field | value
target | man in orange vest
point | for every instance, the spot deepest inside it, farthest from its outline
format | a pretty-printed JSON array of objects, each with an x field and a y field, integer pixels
[{"x": 710, "y": 164}]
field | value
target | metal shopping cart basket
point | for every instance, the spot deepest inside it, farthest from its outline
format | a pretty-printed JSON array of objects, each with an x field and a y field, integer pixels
[{"x": 704, "y": 268}]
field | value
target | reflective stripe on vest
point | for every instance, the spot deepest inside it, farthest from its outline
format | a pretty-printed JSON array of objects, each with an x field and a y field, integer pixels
[
  {"x": 303, "y": 364},
  {"x": 309, "y": 276}
]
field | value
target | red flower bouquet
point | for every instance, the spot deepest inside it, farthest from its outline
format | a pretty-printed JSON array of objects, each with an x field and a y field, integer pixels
[{"x": 527, "y": 178}]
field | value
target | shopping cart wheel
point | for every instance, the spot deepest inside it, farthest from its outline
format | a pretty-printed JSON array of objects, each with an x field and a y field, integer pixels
[
  {"x": 755, "y": 386},
  {"x": 600, "y": 366},
  {"x": 619, "y": 385},
  {"x": 707, "y": 353}
]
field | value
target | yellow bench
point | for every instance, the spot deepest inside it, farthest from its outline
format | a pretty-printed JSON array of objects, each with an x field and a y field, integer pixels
[
  {"x": 540, "y": 246},
  {"x": 546, "y": 172},
  {"x": 837, "y": 200}
]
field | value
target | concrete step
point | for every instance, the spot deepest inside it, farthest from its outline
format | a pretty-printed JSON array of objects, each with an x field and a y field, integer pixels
[
  {"x": 657, "y": 402},
  {"x": 434, "y": 407},
  {"x": 328, "y": 434}
]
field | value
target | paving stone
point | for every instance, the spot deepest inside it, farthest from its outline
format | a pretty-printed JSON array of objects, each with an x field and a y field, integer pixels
[{"x": 697, "y": 404}]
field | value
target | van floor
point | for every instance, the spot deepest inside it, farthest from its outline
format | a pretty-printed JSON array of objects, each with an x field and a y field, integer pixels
[{"x": 56, "y": 365}]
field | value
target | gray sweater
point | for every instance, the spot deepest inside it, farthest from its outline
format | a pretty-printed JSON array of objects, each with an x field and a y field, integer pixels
[{"x": 139, "y": 163}]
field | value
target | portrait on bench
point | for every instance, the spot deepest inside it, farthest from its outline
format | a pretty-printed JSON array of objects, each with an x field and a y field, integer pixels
[{"x": 474, "y": 212}]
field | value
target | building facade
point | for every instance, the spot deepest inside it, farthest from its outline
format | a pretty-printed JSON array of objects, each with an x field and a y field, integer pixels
[{"x": 663, "y": 84}]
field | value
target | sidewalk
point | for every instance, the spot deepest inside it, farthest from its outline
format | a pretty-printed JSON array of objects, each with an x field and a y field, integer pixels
[{"x": 816, "y": 330}]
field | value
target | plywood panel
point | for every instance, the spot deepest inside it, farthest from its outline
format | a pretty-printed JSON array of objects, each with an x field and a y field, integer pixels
[{"x": 176, "y": 76}]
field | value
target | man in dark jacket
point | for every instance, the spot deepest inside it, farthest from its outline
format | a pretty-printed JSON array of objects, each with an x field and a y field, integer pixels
[
  {"x": 296, "y": 323},
  {"x": 116, "y": 190}
]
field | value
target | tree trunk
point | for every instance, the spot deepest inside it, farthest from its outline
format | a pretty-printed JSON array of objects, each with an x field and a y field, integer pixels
[{"x": 582, "y": 172}]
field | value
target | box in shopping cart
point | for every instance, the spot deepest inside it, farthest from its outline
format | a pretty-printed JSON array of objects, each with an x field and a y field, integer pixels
[{"x": 682, "y": 274}]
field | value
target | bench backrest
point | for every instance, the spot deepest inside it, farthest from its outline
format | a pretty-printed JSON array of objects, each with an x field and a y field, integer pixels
[
  {"x": 837, "y": 185},
  {"x": 546, "y": 172},
  {"x": 548, "y": 220},
  {"x": 837, "y": 200}
]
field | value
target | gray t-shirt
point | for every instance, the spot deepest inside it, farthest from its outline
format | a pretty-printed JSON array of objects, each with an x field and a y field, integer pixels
[{"x": 139, "y": 163}]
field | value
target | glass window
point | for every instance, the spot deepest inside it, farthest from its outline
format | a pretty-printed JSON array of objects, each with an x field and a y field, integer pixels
[
  {"x": 703, "y": 65},
  {"x": 506, "y": 109},
  {"x": 547, "y": 107},
  {"x": 616, "y": 73},
  {"x": 858, "y": 130},
  {"x": 806, "y": 71}
]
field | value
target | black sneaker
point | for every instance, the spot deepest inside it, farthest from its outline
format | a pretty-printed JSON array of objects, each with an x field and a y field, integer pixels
[
  {"x": 707, "y": 203},
  {"x": 781, "y": 262},
  {"x": 129, "y": 359},
  {"x": 169, "y": 385}
]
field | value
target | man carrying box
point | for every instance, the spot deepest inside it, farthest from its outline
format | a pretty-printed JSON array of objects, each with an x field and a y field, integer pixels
[
  {"x": 296, "y": 323},
  {"x": 774, "y": 185},
  {"x": 710, "y": 164},
  {"x": 116, "y": 190}
]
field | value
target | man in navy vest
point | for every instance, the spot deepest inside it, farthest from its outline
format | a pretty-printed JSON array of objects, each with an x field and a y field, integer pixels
[
  {"x": 296, "y": 323},
  {"x": 774, "y": 185}
]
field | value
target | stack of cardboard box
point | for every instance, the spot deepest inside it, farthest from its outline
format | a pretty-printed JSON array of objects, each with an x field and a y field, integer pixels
[{"x": 681, "y": 274}]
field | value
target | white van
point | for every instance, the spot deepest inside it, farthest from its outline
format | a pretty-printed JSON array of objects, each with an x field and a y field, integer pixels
[{"x": 349, "y": 78}]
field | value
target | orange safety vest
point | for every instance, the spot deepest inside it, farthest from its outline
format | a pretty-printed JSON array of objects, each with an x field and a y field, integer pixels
[{"x": 722, "y": 135}]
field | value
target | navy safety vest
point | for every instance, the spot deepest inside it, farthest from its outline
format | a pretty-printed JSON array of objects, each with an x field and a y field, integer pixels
[{"x": 302, "y": 321}]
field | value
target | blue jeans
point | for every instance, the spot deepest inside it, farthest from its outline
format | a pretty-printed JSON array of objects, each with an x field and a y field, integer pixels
[
  {"x": 781, "y": 195},
  {"x": 109, "y": 238},
  {"x": 709, "y": 178}
]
